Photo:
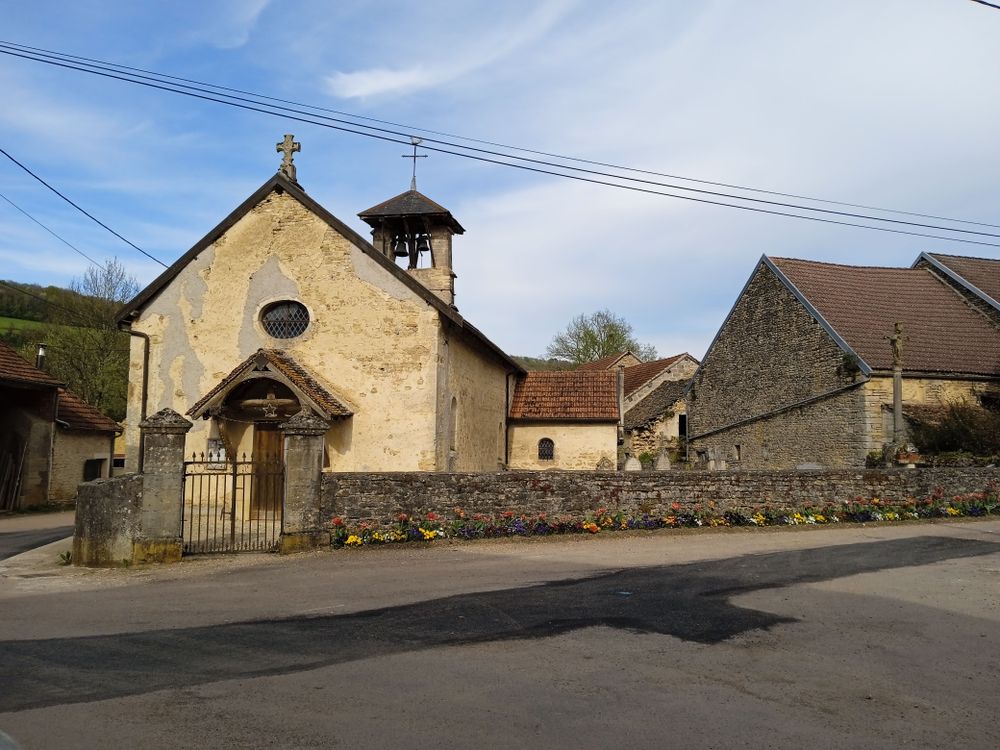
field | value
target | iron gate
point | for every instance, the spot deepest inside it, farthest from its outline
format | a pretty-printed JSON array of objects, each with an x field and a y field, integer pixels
[{"x": 232, "y": 505}]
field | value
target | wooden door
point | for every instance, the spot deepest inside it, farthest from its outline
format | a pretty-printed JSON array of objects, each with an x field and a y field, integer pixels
[{"x": 267, "y": 488}]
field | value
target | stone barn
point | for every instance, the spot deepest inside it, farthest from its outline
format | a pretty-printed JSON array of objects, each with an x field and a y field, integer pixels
[{"x": 801, "y": 371}]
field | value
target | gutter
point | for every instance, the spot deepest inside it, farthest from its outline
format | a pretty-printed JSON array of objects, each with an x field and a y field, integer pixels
[{"x": 127, "y": 327}]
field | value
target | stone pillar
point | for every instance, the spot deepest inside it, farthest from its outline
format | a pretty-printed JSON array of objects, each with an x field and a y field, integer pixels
[
  {"x": 159, "y": 538},
  {"x": 301, "y": 525},
  {"x": 897, "y": 407}
]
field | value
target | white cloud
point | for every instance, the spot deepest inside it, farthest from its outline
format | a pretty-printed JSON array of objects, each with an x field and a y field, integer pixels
[
  {"x": 488, "y": 49},
  {"x": 229, "y": 24}
]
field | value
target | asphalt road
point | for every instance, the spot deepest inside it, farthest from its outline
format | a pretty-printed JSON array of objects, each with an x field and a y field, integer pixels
[
  {"x": 845, "y": 638},
  {"x": 20, "y": 533},
  {"x": 15, "y": 542}
]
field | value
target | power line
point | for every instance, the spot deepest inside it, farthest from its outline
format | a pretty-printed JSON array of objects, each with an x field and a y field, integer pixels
[
  {"x": 551, "y": 172},
  {"x": 988, "y": 5},
  {"x": 82, "y": 210},
  {"x": 73, "y": 315},
  {"x": 68, "y": 244},
  {"x": 284, "y": 112},
  {"x": 410, "y": 129}
]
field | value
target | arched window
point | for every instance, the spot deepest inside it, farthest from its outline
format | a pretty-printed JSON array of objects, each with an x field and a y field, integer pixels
[{"x": 546, "y": 449}]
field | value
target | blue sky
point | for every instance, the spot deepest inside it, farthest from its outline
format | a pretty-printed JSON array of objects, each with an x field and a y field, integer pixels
[{"x": 886, "y": 102}]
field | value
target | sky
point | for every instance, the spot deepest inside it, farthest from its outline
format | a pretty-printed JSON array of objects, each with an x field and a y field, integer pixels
[{"x": 889, "y": 103}]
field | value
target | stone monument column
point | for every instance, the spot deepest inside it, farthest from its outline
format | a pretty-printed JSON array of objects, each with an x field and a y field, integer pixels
[
  {"x": 159, "y": 538},
  {"x": 301, "y": 524}
]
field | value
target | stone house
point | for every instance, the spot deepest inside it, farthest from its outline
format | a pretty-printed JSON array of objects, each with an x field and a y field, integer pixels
[
  {"x": 50, "y": 439},
  {"x": 654, "y": 406},
  {"x": 282, "y": 308},
  {"x": 566, "y": 419},
  {"x": 801, "y": 371}
]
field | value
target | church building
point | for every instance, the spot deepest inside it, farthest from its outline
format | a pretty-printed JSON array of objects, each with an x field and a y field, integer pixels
[{"x": 283, "y": 308}]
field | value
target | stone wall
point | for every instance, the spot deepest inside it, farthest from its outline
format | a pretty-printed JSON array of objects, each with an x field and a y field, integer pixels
[
  {"x": 70, "y": 451},
  {"x": 770, "y": 354},
  {"x": 578, "y": 445},
  {"x": 381, "y": 497},
  {"x": 108, "y": 520}
]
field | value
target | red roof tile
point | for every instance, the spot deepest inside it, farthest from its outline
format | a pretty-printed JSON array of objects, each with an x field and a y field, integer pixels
[
  {"x": 77, "y": 414},
  {"x": 16, "y": 369},
  {"x": 604, "y": 363},
  {"x": 566, "y": 394},
  {"x": 943, "y": 333},
  {"x": 982, "y": 273},
  {"x": 296, "y": 374},
  {"x": 637, "y": 376}
]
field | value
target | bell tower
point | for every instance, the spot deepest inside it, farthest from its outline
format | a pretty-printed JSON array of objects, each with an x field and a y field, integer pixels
[{"x": 413, "y": 227}]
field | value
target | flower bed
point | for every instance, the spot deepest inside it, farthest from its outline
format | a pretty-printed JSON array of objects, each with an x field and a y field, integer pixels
[{"x": 460, "y": 525}]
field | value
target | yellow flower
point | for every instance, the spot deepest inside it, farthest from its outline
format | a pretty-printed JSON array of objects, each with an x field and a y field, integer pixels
[
  {"x": 428, "y": 533},
  {"x": 820, "y": 518},
  {"x": 759, "y": 518},
  {"x": 592, "y": 527},
  {"x": 798, "y": 518},
  {"x": 353, "y": 541},
  {"x": 952, "y": 511}
]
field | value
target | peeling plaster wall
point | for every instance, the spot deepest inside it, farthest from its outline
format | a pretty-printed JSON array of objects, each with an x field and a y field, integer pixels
[
  {"x": 578, "y": 445},
  {"x": 371, "y": 340}
]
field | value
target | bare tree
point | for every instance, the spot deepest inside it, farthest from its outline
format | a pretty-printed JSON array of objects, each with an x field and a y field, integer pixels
[
  {"x": 85, "y": 348},
  {"x": 601, "y": 334}
]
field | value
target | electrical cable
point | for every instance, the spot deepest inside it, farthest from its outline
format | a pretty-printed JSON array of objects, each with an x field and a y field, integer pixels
[
  {"x": 537, "y": 170},
  {"x": 82, "y": 210},
  {"x": 74, "y": 315},
  {"x": 284, "y": 110},
  {"x": 410, "y": 129},
  {"x": 68, "y": 244}
]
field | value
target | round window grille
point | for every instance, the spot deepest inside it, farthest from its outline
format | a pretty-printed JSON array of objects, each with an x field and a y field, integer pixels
[{"x": 285, "y": 320}]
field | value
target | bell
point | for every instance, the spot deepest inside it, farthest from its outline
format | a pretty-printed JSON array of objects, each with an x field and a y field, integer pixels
[
  {"x": 423, "y": 244},
  {"x": 399, "y": 249}
]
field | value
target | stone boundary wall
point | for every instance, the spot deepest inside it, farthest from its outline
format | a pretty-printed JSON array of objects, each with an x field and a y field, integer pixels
[
  {"x": 107, "y": 520},
  {"x": 381, "y": 497}
]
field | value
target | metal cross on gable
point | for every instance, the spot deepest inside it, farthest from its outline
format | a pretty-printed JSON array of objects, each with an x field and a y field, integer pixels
[
  {"x": 288, "y": 147},
  {"x": 416, "y": 142}
]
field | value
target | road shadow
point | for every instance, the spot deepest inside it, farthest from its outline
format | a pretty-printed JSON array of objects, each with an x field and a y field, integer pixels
[{"x": 688, "y": 601}]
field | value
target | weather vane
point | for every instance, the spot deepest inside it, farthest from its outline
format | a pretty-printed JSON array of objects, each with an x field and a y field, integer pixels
[{"x": 416, "y": 142}]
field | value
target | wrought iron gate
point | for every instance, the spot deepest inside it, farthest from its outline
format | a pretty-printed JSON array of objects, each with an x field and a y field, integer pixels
[{"x": 232, "y": 505}]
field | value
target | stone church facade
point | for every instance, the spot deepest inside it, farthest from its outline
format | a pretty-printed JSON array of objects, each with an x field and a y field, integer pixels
[{"x": 283, "y": 308}]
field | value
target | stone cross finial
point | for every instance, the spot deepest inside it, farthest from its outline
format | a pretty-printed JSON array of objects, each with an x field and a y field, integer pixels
[{"x": 288, "y": 147}]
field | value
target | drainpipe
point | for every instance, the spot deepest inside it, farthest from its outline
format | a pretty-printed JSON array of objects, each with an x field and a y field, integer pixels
[{"x": 145, "y": 382}]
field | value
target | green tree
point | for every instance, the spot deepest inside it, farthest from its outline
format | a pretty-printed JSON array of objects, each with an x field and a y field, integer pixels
[
  {"x": 601, "y": 334},
  {"x": 85, "y": 348}
]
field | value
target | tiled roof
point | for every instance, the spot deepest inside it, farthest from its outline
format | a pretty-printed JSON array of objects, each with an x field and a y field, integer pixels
[
  {"x": 77, "y": 414},
  {"x": 982, "y": 273},
  {"x": 566, "y": 394},
  {"x": 655, "y": 405},
  {"x": 638, "y": 375},
  {"x": 16, "y": 369},
  {"x": 410, "y": 203},
  {"x": 861, "y": 304},
  {"x": 604, "y": 363},
  {"x": 284, "y": 364}
]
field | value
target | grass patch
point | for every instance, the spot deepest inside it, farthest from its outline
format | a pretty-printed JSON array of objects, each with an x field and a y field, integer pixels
[{"x": 19, "y": 324}]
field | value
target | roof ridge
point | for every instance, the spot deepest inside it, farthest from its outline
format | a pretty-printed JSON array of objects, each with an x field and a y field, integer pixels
[{"x": 777, "y": 259}]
